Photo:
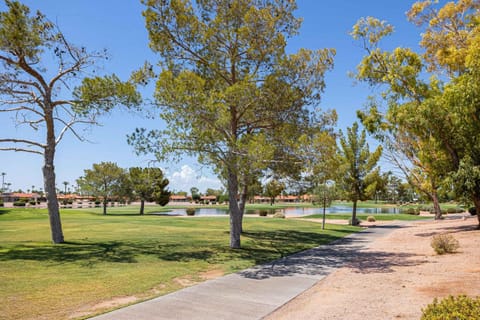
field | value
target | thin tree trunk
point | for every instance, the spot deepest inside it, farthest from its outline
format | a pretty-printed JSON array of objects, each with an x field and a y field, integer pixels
[
  {"x": 235, "y": 213},
  {"x": 354, "y": 213},
  {"x": 476, "y": 202},
  {"x": 105, "y": 202},
  {"x": 52, "y": 201},
  {"x": 241, "y": 205},
  {"x": 142, "y": 206},
  {"x": 49, "y": 181},
  {"x": 436, "y": 205},
  {"x": 324, "y": 211}
]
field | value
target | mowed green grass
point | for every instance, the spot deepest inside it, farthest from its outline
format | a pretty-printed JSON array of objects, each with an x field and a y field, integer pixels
[{"x": 124, "y": 255}]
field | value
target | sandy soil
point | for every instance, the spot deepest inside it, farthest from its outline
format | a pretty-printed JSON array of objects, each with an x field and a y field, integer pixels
[{"x": 396, "y": 277}]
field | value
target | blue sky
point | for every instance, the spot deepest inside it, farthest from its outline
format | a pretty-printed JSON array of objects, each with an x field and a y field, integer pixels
[{"x": 118, "y": 26}]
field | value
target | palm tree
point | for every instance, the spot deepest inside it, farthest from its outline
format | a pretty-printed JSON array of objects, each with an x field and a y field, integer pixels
[{"x": 65, "y": 183}]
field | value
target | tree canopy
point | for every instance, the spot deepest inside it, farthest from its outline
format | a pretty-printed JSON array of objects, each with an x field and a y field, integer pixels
[
  {"x": 46, "y": 85},
  {"x": 149, "y": 184},
  {"x": 439, "y": 115},
  {"x": 357, "y": 166},
  {"x": 229, "y": 93}
]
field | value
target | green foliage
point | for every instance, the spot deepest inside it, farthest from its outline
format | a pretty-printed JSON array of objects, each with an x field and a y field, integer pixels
[
  {"x": 1, "y": 203},
  {"x": 453, "y": 308},
  {"x": 371, "y": 219},
  {"x": 149, "y": 184},
  {"x": 228, "y": 91},
  {"x": 263, "y": 213},
  {"x": 412, "y": 211},
  {"x": 190, "y": 211},
  {"x": 273, "y": 189},
  {"x": 104, "y": 180},
  {"x": 444, "y": 243},
  {"x": 19, "y": 203}
]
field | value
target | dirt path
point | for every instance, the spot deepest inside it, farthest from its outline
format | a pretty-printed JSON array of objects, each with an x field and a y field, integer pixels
[{"x": 398, "y": 276}]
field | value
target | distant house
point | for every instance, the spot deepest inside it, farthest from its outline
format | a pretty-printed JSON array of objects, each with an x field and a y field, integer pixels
[
  {"x": 212, "y": 199},
  {"x": 16, "y": 196},
  {"x": 180, "y": 198}
]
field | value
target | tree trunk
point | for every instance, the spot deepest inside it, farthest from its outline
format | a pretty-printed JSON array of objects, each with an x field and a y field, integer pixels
[
  {"x": 354, "y": 213},
  {"x": 49, "y": 181},
  {"x": 105, "y": 202},
  {"x": 235, "y": 213},
  {"x": 476, "y": 202},
  {"x": 324, "y": 212},
  {"x": 436, "y": 206},
  {"x": 142, "y": 206},
  {"x": 52, "y": 201}
]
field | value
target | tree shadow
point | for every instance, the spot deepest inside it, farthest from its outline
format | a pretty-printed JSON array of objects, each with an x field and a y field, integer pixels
[
  {"x": 4, "y": 211},
  {"x": 89, "y": 254},
  {"x": 322, "y": 260}
]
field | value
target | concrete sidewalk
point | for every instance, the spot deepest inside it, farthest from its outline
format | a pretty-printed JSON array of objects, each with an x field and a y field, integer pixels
[{"x": 255, "y": 292}]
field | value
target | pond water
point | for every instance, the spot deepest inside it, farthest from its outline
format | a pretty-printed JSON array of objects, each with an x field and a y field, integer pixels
[{"x": 292, "y": 211}]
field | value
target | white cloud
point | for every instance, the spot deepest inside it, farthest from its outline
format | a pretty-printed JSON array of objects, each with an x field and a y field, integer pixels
[{"x": 187, "y": 177}]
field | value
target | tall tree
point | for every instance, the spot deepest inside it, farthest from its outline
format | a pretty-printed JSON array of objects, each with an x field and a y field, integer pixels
[
  {"x": 228, "y": 91},
  {"x": 149, "y": 184},
  {"x": 42, "y": 99},
  {"x": 273, "y": 189},
  {"x": 441, "y": 113},
  {"x": 104, "y": 180},
  {"x": 357, "y": 165}
]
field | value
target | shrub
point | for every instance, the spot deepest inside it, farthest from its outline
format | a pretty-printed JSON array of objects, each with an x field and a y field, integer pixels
[
  {"x": 444, "y": 243},
  {"x": 371, "y": 219},
  {"x": 412, "y": 211},
  {"x": 263, "y": 213},
  {"x": 1, "y": 203},
  {"x": 32, "y": 202},
  {"x": 19, "y": 203},
  {"x": 459, "y": 308},
  {"x": 472, "y": 211},
  {"x": 451, "y": 210},
  {"x": 279, "y": 214},
  {"x": 190, "y": 211}
]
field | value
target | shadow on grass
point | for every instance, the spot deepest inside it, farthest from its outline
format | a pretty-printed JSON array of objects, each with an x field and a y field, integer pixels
[
  {"x": 4, "y": 211},
  {"x": 258, "y": 247}
]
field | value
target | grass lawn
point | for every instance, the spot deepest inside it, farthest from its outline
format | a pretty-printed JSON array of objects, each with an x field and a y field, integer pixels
[
  {"x": 123, "y": 255},
  {"x": 363, "y": 216}
]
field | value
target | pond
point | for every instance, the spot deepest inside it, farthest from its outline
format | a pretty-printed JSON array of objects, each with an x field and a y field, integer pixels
[{"x": 290, "y": 211}]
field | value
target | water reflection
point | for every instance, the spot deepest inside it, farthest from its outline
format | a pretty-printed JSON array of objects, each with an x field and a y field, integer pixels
[{"x": 292, "y": 211}]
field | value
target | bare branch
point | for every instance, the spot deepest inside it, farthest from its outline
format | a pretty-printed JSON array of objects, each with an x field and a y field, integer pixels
[
  {"x": 28, "y": 142},
  {"x": 21, "y": 150}
]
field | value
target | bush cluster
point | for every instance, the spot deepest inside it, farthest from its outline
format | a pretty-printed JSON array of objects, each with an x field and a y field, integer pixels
[
  {"x": 19, "y": 203},
  {"x": 412, "y": 211},
  {"x": 371, "y": 219},
  {"x": 1, "y": 203},
  {"x": 279, "y": 214},
  {"x": 444, "y": 243},
  {"x": 458, "y": 308},
  {"x": 190, "y": 211},
  {"x": 472, "y": 211},
  {"x": 263, "y": 213}
]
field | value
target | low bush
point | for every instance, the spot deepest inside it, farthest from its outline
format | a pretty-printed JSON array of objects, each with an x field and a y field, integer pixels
[
  {"x": 444, "y": 243},
  {"x": 472, "y": 211},
  {"x": 19, "y": 203},
  {"x": 32, "y": 202},
  {"x": 1, "y": 203},
  {"x": 279, "y": 215},
  {"x": 452, "y": 210},
  {"x": 190, "y": 211},
  {"x": 263, "y": 213},
  {"x": 458, "y": 308},
  {"x": 371, "y": 219},
  {"x": 412, "y": 211}
]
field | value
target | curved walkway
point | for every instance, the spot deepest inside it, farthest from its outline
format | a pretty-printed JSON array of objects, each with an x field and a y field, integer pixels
[{"x": 256, "y": 292}]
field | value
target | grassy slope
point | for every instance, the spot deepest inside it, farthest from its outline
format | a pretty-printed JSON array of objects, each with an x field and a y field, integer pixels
[{"x": 123, "y": 254}]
